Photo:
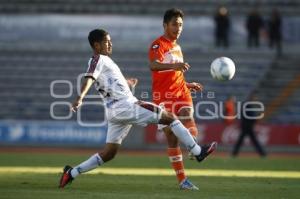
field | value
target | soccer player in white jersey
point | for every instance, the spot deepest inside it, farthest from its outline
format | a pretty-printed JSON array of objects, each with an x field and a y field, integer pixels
[{"x": 123, "y": 109}]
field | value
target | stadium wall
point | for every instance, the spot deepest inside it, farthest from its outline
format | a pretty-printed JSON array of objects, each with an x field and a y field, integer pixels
[
  {"x": 70, "y": 134},
  {"x": 269, "y": 135}
]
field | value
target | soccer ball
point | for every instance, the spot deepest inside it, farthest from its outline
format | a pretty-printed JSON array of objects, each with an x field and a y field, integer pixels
[{"x": 222, "y": 69}]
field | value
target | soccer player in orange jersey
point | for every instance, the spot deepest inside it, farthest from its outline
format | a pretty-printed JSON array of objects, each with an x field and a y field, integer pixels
[{"x": 170, "y": 88}]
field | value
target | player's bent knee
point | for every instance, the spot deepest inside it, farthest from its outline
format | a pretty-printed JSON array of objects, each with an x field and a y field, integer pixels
[
  {"x": 167, "y": 118},
  {"x": 186, "y": 114}
]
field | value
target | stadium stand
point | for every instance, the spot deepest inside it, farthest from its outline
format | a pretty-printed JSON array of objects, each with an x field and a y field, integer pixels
[
  {"x": 204, "y": 7},
  {"x": 32, "y": 71},
  {"x": 46, "y": 55},
  {"x": 280, "y": 91},
  {"x": 26, "y": 76}
]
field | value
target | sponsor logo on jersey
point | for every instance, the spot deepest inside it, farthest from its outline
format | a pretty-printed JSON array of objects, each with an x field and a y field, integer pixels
[{"x": 155, "y": 46}]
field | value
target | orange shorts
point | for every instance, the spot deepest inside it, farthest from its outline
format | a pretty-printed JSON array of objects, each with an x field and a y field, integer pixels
[{"x": 174, "y": 105}]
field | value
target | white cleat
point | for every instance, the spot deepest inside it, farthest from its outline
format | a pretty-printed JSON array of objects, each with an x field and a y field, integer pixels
[{"x": 187, "y": 185}]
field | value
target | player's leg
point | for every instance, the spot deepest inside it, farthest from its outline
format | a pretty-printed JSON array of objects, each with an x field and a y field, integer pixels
[
  {"x": 185, "y": 114},
  {"x": 185, "y": 137},
  {"x": 179, "y": 131},
  {"x": 151, "y": 113},
  {"x": 176, "y": 159},
  {"x": 147, "y": 113},
  {"x": 107, "y": 154},
  {"x": 183, "y": 108},
  {"x": 143, "y": 113},
  {"x": 91, "y": 163},
  {"x": 185, "y": 111},
  {"x": 116, "y": 133},
  {"x": 175, "y": 154}
]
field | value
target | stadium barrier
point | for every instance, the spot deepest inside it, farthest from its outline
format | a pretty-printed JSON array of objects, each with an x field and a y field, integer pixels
[
  {"x": 267, "y": 134},
  {"x": 50, "y": 133}
]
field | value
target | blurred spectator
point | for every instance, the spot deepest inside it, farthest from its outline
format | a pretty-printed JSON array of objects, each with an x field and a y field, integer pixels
[
  {"x": 247, "y": 127},
  {"x": 254, "y": 24},
  {"x": 222, "y": 25},
  {"x": 229, "y": 111},
  {"x": 274, "y": 29}
]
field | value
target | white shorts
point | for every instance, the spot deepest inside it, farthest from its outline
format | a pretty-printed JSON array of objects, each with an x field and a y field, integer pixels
[{"x": 124, "y": 115}]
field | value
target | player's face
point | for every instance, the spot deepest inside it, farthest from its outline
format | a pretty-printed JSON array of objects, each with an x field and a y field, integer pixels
[
  {"x": 106, "y": 46},
  {"x": 173, "y": 28}
]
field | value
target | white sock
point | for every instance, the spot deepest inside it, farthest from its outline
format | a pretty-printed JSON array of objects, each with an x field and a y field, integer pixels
[
  {"x": 185, "y": 137},
  {"x": 93, "y": 162}
]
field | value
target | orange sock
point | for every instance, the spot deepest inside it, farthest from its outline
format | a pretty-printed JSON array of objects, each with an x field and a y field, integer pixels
[
  {"x": 175, "y": 156},
  {"x": 192, "y": 127}
]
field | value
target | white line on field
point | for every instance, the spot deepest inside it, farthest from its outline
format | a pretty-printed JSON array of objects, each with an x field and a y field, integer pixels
[{"x": 161, "y": 172}]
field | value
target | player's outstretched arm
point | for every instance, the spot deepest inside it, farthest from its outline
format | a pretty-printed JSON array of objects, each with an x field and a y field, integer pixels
[
  {"x": 88, "y": 81},
  {"x": 157, "y": 66}
]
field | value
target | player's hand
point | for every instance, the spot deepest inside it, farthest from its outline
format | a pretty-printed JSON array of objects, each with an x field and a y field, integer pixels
[
  {"x": 76, "y": 104},
  {"x": 132, "y": 82},
  {"x": 194, "y": 86},
  {"x": 182, "y": 67}
]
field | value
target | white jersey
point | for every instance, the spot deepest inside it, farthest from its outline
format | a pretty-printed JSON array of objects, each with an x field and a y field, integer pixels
[{"x": 110, "y": 82}]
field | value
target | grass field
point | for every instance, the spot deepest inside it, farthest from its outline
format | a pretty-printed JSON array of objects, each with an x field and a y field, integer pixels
[{"x": 36, "y": 175}]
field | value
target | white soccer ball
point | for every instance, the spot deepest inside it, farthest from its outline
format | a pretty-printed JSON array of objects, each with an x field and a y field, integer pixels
[{"x": 222, "y": 69}]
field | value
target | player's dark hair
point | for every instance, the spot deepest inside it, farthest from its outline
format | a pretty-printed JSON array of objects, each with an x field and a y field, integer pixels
[
  {"x": 174, "y": 12},
  {"x": 96, "y": 35}
]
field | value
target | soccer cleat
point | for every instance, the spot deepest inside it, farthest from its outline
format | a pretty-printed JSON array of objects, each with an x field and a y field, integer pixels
[
  {"x": 187, "y": 185},
  {"x": 206, "y": 150},
  {"x": 66, "y": 177}
]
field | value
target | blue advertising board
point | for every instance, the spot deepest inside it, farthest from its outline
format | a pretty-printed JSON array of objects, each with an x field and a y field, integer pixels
[{"x": 51, "y": 133}]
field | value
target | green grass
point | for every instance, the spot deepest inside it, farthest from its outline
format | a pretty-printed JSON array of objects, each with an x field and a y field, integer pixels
[{"x": 44, "y": 186}]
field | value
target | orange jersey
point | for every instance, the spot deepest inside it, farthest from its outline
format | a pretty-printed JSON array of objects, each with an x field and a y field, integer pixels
[{"x": 169, "y": 85}]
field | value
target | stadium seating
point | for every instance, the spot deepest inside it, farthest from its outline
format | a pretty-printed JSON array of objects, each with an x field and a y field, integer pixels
[
  {"x": 143, "y": 6},
  {"x": 31, "y": 60},
  {"x": 280, "y": 91},
  {"x": 27, "y": 75}
]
